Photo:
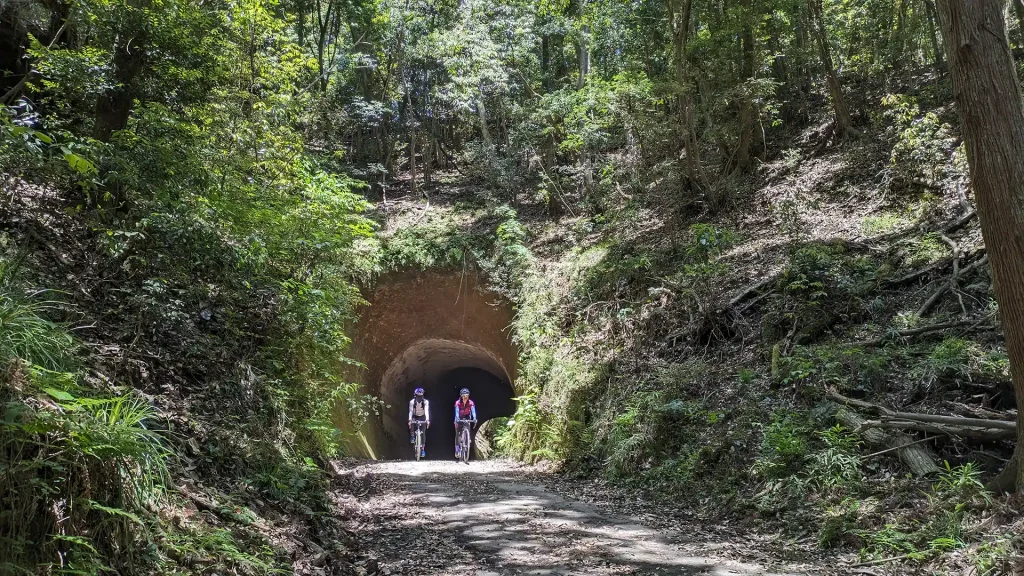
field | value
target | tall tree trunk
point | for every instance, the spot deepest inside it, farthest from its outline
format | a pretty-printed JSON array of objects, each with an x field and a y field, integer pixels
[
  {"x": 561, "y": 67},
  {"x": 325, "y": 23},
  {"x": 485, "y": 133},
  {"x": 844, "y": 123},
  {"x": 747, "y": 111},
  {"x": 898, "y": 35},
  {"x": 933, "y": 35},
  {"x": 412, "y": 161},
  {"x": 681, "y": 12},
  {"x": 114, "y": 105},
  {"x": 545, "y": 62},
  {"x": 583, "y": 53},
  {"x": 428, "y": 158},
  {"x": 988, "y": 98}
]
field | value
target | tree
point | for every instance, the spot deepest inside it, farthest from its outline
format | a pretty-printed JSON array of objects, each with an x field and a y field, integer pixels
[
  {"x": 843, "y": 121},
  {"x": 680, "y": 20},
  {"x": 988, "y": 99},
  {"x": 114, "y": 105},
  {"x": 748, "y": 111}
]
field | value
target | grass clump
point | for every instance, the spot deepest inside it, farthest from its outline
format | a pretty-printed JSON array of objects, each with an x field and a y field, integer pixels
[{"x": 81, "y": 469}]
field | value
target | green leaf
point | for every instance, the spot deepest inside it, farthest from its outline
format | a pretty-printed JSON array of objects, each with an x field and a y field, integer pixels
[
  {"x": 79, "y": 164},
  {"x": 114, "y": 511},
  {"x": 59, "y": 394}
]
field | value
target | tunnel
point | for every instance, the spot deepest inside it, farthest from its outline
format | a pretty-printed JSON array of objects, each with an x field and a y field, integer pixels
[{"x": 439, "y": 331}]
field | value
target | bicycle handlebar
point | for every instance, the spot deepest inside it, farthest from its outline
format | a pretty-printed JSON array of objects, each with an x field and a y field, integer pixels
[{"x": 461, "y": 421}]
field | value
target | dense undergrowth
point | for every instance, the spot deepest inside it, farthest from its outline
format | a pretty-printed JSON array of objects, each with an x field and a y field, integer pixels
[
  {"x": 703, "y": 249},
  {"x": 172, "y": 314},
  {"x": 640, "y": 365}
]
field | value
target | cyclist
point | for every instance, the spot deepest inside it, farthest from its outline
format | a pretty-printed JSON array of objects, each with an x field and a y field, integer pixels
[
  {"x": 465, "y": 409},
  {"x": 419, "y": 411}
]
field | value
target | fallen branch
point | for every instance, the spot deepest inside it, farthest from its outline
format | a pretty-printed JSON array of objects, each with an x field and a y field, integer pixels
[
  {"x": 888, "y": 450},
  {"x": 933, "y": 267},
  {"x": 890, "y": 414},
  {"x": 962, "y": 431},
  {"x": 961, "y": 222},
  {"x": 949, "y": 285},
  {"x": 937, "y": 265},
  {"x": 969, "y": 324},
  {"x": 882, "y": 561},
  {"x": 1010, "y": 425}
]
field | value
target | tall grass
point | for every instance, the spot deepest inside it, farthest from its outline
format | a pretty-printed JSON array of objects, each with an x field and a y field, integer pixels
[{"x": 76, "y": 470}]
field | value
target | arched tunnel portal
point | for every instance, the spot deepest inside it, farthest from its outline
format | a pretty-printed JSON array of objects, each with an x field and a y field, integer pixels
[{"x": 439, "y": 331}]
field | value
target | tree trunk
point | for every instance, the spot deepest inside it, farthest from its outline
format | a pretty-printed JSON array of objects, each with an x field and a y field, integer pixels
[
  {"x": 485, "y": 133},
  {"x": 916, "y": 457},
  {"x": 988, "y": 98},
  {"x": 114, "y": 105},
  {"x": 545, "y": 62},
  {"x": 681, "y": 11},
  {"x": 583, "y": 52},
  {"x": 428, "y": 161},
  {"x": 843, "y": 120},
  {"x": 412, "y": 162},
  {"x": 747, "y": 111},
  {"x": 933, "y": 35}
]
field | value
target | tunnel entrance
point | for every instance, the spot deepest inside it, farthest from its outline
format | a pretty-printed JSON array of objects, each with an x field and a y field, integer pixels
[{"x": 441, "y": 332}]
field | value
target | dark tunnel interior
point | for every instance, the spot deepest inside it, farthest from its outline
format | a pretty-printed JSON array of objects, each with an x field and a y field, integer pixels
[{"x": 492, "y": 396}]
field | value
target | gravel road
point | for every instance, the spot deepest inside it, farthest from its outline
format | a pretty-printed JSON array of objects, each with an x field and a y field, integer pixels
[{"x": 498, "y": 517}]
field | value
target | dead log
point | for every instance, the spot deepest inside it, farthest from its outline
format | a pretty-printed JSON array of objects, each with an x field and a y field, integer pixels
[
  {"x": 960, "y": 222},
  {"x": 986, "y": 434},
  {"x": 1010, "y": 425},
  {"x": 937, "y": 265},
  {"x": 933, "y": 267},
  {"x": 915, "y": 457},
  {"x": 958, "y": 421}
]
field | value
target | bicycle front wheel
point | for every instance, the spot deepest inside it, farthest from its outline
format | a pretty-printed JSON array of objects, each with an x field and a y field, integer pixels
[{"x": 465, "y": 444}]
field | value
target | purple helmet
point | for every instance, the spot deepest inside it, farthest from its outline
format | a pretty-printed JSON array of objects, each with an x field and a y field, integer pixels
[{"x": 418, "y": 392}]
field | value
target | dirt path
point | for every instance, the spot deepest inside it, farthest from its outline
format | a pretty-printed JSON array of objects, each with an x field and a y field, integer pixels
[{"x": 497, "y": 518}]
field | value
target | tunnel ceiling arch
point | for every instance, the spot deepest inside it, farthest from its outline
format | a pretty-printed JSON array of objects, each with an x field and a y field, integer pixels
[{"x": 433, "y": 330}]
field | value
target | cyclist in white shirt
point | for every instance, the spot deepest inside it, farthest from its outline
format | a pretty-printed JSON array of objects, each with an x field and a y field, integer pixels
[{"x": 419, "y": 411}]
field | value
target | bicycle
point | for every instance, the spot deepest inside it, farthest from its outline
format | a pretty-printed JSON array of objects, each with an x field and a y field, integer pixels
[
  {"x": 419, "y": 438},
  {"x": 464, "y": 440}
]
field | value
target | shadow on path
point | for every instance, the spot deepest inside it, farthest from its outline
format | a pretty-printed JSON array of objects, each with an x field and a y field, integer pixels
[{"x": 490, "y": 519}]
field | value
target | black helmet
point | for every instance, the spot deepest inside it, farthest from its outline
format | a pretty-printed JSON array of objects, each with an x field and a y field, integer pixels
[{"x": 464, "y": 392}]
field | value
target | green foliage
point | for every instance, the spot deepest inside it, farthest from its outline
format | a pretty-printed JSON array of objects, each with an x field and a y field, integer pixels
[
  {"x": 25, "y": 334},
  {"x": 994, "y": 557},
  {"x": 941, "y": 529},
  {"x": 813, "y": 368},
  {"x": 838, "y": 521},
  {"x": 94, "y": 459},
  {"x": 922, "y": 141},
  {"x": 783, "y": 446},
  {"x": 955, "y": 359},
  {"x": 875, "y": 225},
  {"x": 821, "y": 285},
  {"x": 836, "y": 465},
  {"x": 961, "y": 484}
]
